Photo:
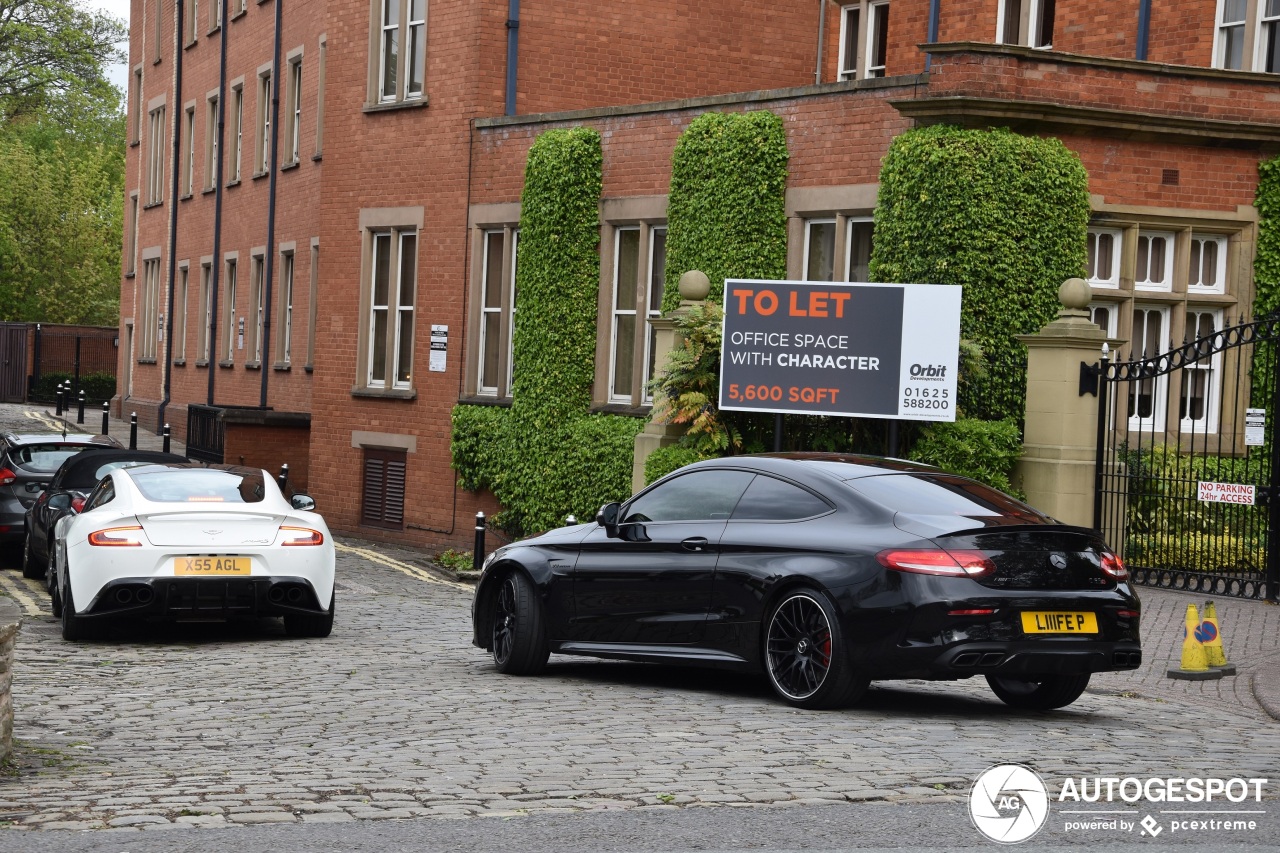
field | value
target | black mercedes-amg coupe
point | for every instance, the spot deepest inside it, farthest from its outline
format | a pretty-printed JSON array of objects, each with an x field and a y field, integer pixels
[{"x": 825, "y": 572}]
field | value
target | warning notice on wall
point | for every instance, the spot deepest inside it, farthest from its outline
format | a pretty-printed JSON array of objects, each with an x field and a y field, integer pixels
[
  {"x": 839, "y": 348},
  {"x": 1226, "y": 493}
]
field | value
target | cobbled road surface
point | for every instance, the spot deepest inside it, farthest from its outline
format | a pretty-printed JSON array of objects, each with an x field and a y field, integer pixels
[{"x": 396, "y": 715}]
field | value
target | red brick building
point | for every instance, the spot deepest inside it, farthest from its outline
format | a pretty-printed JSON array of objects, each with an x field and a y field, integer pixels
[{"x": 403, "y": 127}]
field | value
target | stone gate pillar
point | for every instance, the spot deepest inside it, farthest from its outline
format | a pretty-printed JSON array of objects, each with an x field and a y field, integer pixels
[
  {"x": 1060, "y": 435},
  {"x": 694, "y": 287}
]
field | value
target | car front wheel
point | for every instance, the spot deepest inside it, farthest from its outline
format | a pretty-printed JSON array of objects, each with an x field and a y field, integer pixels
[
  {"x": 805, "y": 654},
  {"x": 1039, "y": 692},
  {"x": 519, "y": 639}
]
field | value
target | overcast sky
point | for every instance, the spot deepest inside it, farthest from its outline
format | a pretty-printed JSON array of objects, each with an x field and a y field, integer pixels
[{"x": 118, "y": 74}]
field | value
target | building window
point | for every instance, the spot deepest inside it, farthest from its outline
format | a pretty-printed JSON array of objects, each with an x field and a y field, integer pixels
[
  {"x": 206, "y": 312},
  {"x": 155, "y": 157},
  {"x": 241, "y": 6},
  {"x": 157, "y": 34},
  {"x": 215, "y": 15},
  {"x": 262, "y": 149},
  {"x": 400, "y": 63},
  {"x": 1198, "y": 403},
  {"x": 229, "y": 314},
  {"x": 149, "y": 308},
  {"x": 257, "y": 297},
  {"x": 286, "y": 309},
  {"x": 1154, "y": 269},
  {"x": 497, "y": 310},
  {"x": 189, "y": 150},
  {"x": 237, "y": 130},
  {"x": 1027, "y": 22},
  {"x": 135, "y": 126},
  {"x": 819, "y": 250},
  {"x": 392, "y": 286},
  {"x": 180, "y": 312},
  {"x": 193, "y": 20},
  {"x": 324, "y": 52},
  {"x": 1103, "y": 264},
  {"x": 293, "y": 109},
  {"x": 131, "y": 232},
  {"x": 864, "y": 39},
  {"x": 822, "y": 249},
  {"x": 1103, "y": 315},
  {"x": 1229, "y": 52},
  {"x": 1147, "y": 395},
  {"x": 211, "y": 142},
  {"x": 1208, "y": 270},
  {"x": 639, "y": 272},
  {"x": 858, "y": 250},
  {"x": 382, "y": 495},
  {"x": 312, "y": 303},
  {"x": 1269, "y": 37},
  {"x": 1247, "y": 35}
]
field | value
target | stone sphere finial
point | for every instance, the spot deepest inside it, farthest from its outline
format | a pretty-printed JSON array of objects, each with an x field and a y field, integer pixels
[
  {"x": 694, "y": 286},
  {"x": 1074, "y": 294}
]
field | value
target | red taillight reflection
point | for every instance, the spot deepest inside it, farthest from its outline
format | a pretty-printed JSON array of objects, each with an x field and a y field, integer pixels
[
  {"x": 77, "y": 503},
  {"x": 973, "y": 611},
  {"x": 1127, "y": 614},
  {"x": 7, "y": 477},
  {"x": 1114, "y": 566},
  {"x": 972, "y": 564},
  {"x": 300, "y": 536},
  {"x": 116, "y": 537}
]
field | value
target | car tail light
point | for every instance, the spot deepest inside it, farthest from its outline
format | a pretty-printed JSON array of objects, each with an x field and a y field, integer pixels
[
  {"x": 1127, "y": 614},
  {"x": 1113, "y": 566},
  {"x": 77, "y": 503},
  {"x": 117, "y": 536},
  {"x": 7, "y": 477},
  {"x": 301, "y": 536},
  {"x": 973, "y": 564},
  {"x": 973, "y": 611}
]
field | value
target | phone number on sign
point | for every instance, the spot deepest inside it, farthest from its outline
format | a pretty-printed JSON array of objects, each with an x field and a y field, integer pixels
[
  {"x": 776, "y": 394},
  {"x": 926, "y": 398}
]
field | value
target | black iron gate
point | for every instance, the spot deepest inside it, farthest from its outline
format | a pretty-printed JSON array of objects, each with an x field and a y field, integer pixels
[
  {"x": 206, "y": 433},
  {"x": 13, "y": 362},
  {"x": 1187, "y": 468}
]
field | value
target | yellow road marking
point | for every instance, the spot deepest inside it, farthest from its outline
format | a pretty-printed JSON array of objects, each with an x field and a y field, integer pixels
[
  {"x": 48, "y": 421},
  {"x": 411, "y": 571},
  {"x": 18, "y": 588}
]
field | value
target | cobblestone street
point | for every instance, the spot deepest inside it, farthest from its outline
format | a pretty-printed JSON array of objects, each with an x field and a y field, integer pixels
[{"x": 398, "y": 716}]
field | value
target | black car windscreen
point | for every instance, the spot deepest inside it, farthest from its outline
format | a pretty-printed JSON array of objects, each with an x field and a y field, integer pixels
[{"x": 939, "y": 503}]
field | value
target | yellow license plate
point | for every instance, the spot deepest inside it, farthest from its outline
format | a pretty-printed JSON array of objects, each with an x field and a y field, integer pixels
[
  {"x": 1052, "y": 622},
  {"x": 211, "y": 566}
]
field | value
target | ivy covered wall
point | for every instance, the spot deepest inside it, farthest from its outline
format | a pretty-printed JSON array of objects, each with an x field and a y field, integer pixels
[
  {"x": 1002, "y": 214},
  {"x": 1266, "y": 264}
]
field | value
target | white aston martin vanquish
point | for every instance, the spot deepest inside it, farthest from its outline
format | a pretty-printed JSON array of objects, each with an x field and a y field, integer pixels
[{"x": 192, "y": 542}]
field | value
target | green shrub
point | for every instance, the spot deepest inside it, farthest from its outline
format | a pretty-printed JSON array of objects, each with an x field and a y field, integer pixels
[
  {"x": 1002, "y": 214},
  {"x": 983, "y": 450},
  {"x": 664, "y": 460}
]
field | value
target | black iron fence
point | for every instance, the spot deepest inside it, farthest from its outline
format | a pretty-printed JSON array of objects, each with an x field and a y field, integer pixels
[
  {"x": 85, "y": 357},
  {"x": 1186, "y": 471},
  {"x": 206, "y": 433}
]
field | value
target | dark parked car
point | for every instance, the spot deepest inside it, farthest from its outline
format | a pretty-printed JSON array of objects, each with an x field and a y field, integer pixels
[
  {"x": 824, "y": 572},
  {"x": 67, "y": 491},
  {"x": 27, "y": 464}
]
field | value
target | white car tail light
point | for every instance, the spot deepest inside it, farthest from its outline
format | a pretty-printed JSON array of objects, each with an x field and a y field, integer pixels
[
  {"x": 1114, "y": 567},
  {"x": 959, "y": 563},
  {"x": 300, "y": 536},
  {"x": 117, "y": 536}
]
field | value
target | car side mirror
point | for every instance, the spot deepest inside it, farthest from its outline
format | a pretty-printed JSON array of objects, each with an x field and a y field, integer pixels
[
  {"x": 302, "y": 502},
  {"x": 60, "y": 501},
  {"x": 607, "y": 518}
]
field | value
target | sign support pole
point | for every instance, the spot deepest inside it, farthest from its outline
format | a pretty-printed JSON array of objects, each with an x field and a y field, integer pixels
[{"x": 777, "y": 433}]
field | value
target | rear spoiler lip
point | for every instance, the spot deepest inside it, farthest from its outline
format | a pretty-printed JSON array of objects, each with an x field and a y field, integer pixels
[{"x": 1005, "y": 528}]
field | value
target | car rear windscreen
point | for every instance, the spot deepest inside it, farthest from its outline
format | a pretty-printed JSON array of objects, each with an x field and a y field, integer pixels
[
  {"x": 943, "y": 495},
  {"x": 200, "y": 485},
  {"x": 44, "y": 457}
]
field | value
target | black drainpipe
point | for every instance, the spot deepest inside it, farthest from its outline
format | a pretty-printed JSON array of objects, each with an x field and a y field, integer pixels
[
  {"x": 217, "y": 206},
  {"x": 167, "y": 367},
  {"x": 822, "y": 36},
  {"x": 270, "y": 260},
  {"x": 513, "y": 32},
  {"x": 1144, "y": 28},
  {"x": 935, "y": 12}
]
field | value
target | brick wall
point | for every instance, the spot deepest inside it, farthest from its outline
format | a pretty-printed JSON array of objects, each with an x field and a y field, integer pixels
[
  {"x": 270, "y": 447},
  {"x": 9, "y": 622}
]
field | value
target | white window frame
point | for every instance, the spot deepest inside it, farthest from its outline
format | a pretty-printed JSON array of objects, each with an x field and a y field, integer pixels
[
  {"x": 1195, "y": 273},
  {"x": 1267, "y": 39},
  {"x": 877, "y": 16},
  {"x": 655, "y": 284},
  {"x": 257, "y": 302},
  {"x": 211, "y": 141},
  {"x": 229, "y": 276},
  {"x": 1165, "y": 284},
  {"x": 1113, "y": 315},
  {"x": 181, "y": 297},
  {"x": 294, "y": 106},
  {"x": 851, "y": 18},
  {"x": 415, "y": 48},
  {"x": 1160, "y": 384},
  {"x": 1208, "y": 424},
  {"x": 237, "y": 119},
  {"x": 149, "y": 314},
  {"x": 1033, "y": 26},
  {"x": 809, "y": 225},
  {"x": 203, "y": 347},
  {"x": 488, "y": 311},
  {"x": 1026, "y": 25},
  {"x": 1093, "y": 276},
  {"x": 389, "y": 34},
  {"x": 189, "y": 170},
  {"x": 616, "y": 313},
  {"x": 193, "y": 20},
  {"x": 312, "y": 304},
  {"x": 155, "y": 155},
  {"x": 1219, "y": 40},
  {"x": 851, "y": 223},
  {"x": 262, "y": 147},
  {"x": 392, "y": 310},
  {"x": 288, "y": 272}
]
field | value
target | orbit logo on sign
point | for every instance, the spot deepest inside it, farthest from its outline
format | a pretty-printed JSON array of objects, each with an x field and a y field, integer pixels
[{"x": 1009, "y": 803}]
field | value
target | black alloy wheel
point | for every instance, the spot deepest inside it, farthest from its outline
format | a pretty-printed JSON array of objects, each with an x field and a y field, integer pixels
[
  {"x": 805, "y": 654},
  {"x": 30, "y": 567},
  {"x": 75, "y": 628},
  {"x": 55, "y": 594},
  {"x": 519, "y": 641},
  {"x": 1039, "y": 692}
]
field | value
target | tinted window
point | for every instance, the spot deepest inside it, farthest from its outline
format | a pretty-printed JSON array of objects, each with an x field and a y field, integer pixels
[
  {"x": 104, "y": 493},
  {"x": 698, "y": 496},
  {"x": 201, "y": 485},
  {"x": 767, "y": 499},
  {"x": 939, "y": 494},
  {"x": 44, "y": 457}
]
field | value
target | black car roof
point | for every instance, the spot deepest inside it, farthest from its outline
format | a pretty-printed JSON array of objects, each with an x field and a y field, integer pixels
[{"x": 79, "y": 470}]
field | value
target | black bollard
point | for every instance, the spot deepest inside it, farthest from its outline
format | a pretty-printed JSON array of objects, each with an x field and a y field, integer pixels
[
  {"x": 477, "y": 554},
  {"x": 106, "y": 414},
  {"x": 80, "y": 411},
  {"x": 58, "y": 412},
  {"x": 133, "y": 431},
  {"x": 165, "y": 435},
  {"x": 282, "y": 479}
]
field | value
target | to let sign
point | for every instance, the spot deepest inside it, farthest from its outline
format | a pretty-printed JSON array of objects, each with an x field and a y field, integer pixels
[
  {"x": 837, "y": 348},
  {"x": 1226, "y": 493}
]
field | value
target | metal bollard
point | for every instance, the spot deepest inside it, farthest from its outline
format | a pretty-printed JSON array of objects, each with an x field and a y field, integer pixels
[
  {"x": 477, "y": 553},
  {"x": 80, "y": 411},
  {"x": 58, "y": 395},
  {"x": 133, "y": 431},
  {"x": 283, "y": 477},
  {"x": 106, "y": 415},
  {"x": 165, "y": 435}
]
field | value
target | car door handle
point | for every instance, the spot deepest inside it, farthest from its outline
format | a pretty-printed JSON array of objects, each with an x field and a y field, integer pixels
[{"x": 695, "y": 543}]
